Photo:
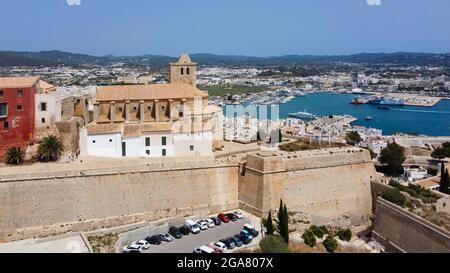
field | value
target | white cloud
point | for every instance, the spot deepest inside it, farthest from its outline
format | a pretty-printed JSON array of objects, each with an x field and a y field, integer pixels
[
  {"x": 74, "y": 2},
  {"x": 374, "y": 2}
]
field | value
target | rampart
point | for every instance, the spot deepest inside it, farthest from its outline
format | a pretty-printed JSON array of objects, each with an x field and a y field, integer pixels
[
  {"x": 54, "y": 202},
  {"x": 328, "y": 183}
]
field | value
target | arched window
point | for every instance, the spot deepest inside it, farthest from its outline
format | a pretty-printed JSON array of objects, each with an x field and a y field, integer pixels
[
  {"x": 182, "y": 71},
  {"x": 187, "y": 70}
]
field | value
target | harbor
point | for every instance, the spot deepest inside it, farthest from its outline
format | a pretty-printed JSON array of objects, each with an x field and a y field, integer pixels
[{"x": 432, "y": 120}]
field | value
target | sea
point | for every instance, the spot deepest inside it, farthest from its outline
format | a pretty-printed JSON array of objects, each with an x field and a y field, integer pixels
[{"x": 432, "y": 121}]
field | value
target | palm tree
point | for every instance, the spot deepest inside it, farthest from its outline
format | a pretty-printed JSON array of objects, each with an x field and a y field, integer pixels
[
  {"x": 50, "y": 148},
  {"x": 14, "y": 155}
]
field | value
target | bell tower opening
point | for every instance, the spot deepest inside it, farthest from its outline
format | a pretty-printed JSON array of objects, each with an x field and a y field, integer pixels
[{"x": 183, "y": 71}]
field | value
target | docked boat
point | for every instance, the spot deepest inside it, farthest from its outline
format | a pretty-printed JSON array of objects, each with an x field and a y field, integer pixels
[
  {"x": 383, "y": 107},
  {"x": 298, "y": 93},
  {"x": 302, "y": 115},
  {"x": 387, "y": 101},
  {"x": 356, "y": 100}
]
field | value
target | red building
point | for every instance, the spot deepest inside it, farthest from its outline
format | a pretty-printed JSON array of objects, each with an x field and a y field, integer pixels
[{"x": 17, "y": 111}]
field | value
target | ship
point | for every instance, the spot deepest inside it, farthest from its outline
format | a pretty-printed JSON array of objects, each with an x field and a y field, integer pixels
[
  {"x": 387, "y": 101},
  {"x": 356, "y": 100},
  {"x": 368, "y": 117},
  {"x": 302, "y": 115},
  {"x": 383, "y": 107}
]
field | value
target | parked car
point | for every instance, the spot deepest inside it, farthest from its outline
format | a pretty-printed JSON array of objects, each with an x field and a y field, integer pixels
[
  {"x": 202, "y": 224},
  {"x": 237, "y": 241},
  {"x": 131, "y": 249},
  {"x": 175, "y": 232},
  {"x": 185, "y": 230},
  {"x": 246, "y": 233},
  {"x": 210, "y": 223},
  {"x": 228, "y": 242},
  {"x": 166, "y": 237},
  {"x": 193, "y": 227},
  {"x": 221, "y": 245},
  {"x": 154, "y": 240},
  {"x": 216, "y": 221},
  {"x": 232, "y": 216},
  {"x": 251, "y": 229},
  {"x": 223, "y": 218},
  {"x": 244, "y": 238},
  {"x": 203, "y": 249},
  {"x": 143, "y": 244},
  {"x": 216, "y": 248},
  {"x": 238, "y": 214}
]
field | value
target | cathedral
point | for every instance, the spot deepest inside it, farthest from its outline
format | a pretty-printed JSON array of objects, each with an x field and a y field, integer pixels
[{"x": 154, "y": 120}]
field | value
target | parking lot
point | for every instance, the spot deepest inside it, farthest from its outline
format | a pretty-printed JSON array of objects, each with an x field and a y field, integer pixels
[{"x": 189, "y": 242}]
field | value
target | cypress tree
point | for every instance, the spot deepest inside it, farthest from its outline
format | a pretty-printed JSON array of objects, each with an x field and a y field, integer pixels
[
  {"x": 269, "y": 224},
  {"x": 445, "y": 182},
  {"x": 285, "y": 226},
  {"x": 280, "y": 216}
]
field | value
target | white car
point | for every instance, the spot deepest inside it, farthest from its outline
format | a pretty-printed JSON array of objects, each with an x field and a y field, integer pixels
[
  {"x": 136, "y": 247},
  {"x": 131, "y": 249},
  {"x": 239, "y": 214},
  {"x": 221, "y": 246},
  {"x": 210, "y": 223},
  {"x": 202, "y": 224},
  {"x": 143, "y": 244},
  {"x": 203, "y": 249}
]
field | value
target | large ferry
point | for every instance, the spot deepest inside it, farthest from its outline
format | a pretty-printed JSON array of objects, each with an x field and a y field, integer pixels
[
  {"x": 387, "y": 101},
  {"x": 302, "y": 115}
]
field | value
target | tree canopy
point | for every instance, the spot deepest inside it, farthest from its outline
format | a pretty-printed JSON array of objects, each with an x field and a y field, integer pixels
[
  {"x": 393, "y": 155},
  {"x": 353, "y": 138}
]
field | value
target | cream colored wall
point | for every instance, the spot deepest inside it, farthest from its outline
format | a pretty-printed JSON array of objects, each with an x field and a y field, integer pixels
[{"x": 74, "y": 201}]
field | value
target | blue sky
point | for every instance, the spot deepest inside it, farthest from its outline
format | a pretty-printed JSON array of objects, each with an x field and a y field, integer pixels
[{"x": 245, "y": 27}]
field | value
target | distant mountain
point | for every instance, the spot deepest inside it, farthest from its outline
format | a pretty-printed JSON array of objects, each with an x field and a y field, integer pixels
[{"x": 53, "y": 58}]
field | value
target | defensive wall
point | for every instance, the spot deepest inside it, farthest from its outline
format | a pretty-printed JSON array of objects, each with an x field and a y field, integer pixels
[
  {"x": 328, "y": 183},
  {"x": 54, "y": 202},
  {"x": 402, "y": 231}
]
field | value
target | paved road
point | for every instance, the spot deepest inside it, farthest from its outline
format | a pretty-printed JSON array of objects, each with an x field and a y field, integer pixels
[{"x": 189, "y": 242}]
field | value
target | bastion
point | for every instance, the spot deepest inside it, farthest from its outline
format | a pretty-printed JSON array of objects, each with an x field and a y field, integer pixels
[{"x": 325, "y": 184}]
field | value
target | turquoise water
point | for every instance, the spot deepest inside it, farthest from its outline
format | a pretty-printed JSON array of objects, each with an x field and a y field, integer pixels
[{"x": 433, "y": 121}]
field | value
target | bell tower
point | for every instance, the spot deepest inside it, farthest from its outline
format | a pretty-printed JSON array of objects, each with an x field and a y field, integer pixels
[{"x": 183, "y": 71}]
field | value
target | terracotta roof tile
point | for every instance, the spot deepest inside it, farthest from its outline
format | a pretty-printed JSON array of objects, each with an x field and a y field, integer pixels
[
  {"x": 147, "y": 92},
  {"x": 17, "y": 82}
]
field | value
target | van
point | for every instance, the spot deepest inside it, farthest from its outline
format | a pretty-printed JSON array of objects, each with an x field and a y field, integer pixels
[{"x": 193, "y": 227}]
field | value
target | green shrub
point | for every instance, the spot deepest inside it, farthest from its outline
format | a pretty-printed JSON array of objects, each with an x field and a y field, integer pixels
[
  {"x": 309, "y": 238},
  {"x": 395, "y": 196},
  {"x": 14, "y": 156},
  {"x": 317, "y": 231},
  {"x": 273, "y": 244},
  {"x": 345, "y": 234},
  {"x": 324, "y": 230},
  {"x": 330, "y": 244}
]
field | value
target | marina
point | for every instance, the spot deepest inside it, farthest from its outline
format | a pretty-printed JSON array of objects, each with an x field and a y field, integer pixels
[{"x": 432, "y": 121}]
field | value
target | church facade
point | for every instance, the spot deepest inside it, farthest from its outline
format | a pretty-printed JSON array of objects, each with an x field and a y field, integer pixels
[{"x": 154, "y": 120}]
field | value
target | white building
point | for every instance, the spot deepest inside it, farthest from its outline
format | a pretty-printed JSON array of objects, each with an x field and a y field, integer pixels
[
  {"x": 47, "y": 105},
  {"x": 154, "y": 120},
  {"x": 414, "y": 174}
]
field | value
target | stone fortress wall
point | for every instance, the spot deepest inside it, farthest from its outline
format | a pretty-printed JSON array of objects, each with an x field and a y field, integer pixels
[
  {"x": 328, "y": 183},
  {"x": 57, "y": 202},
  {"x": 322, "y": 184}
]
